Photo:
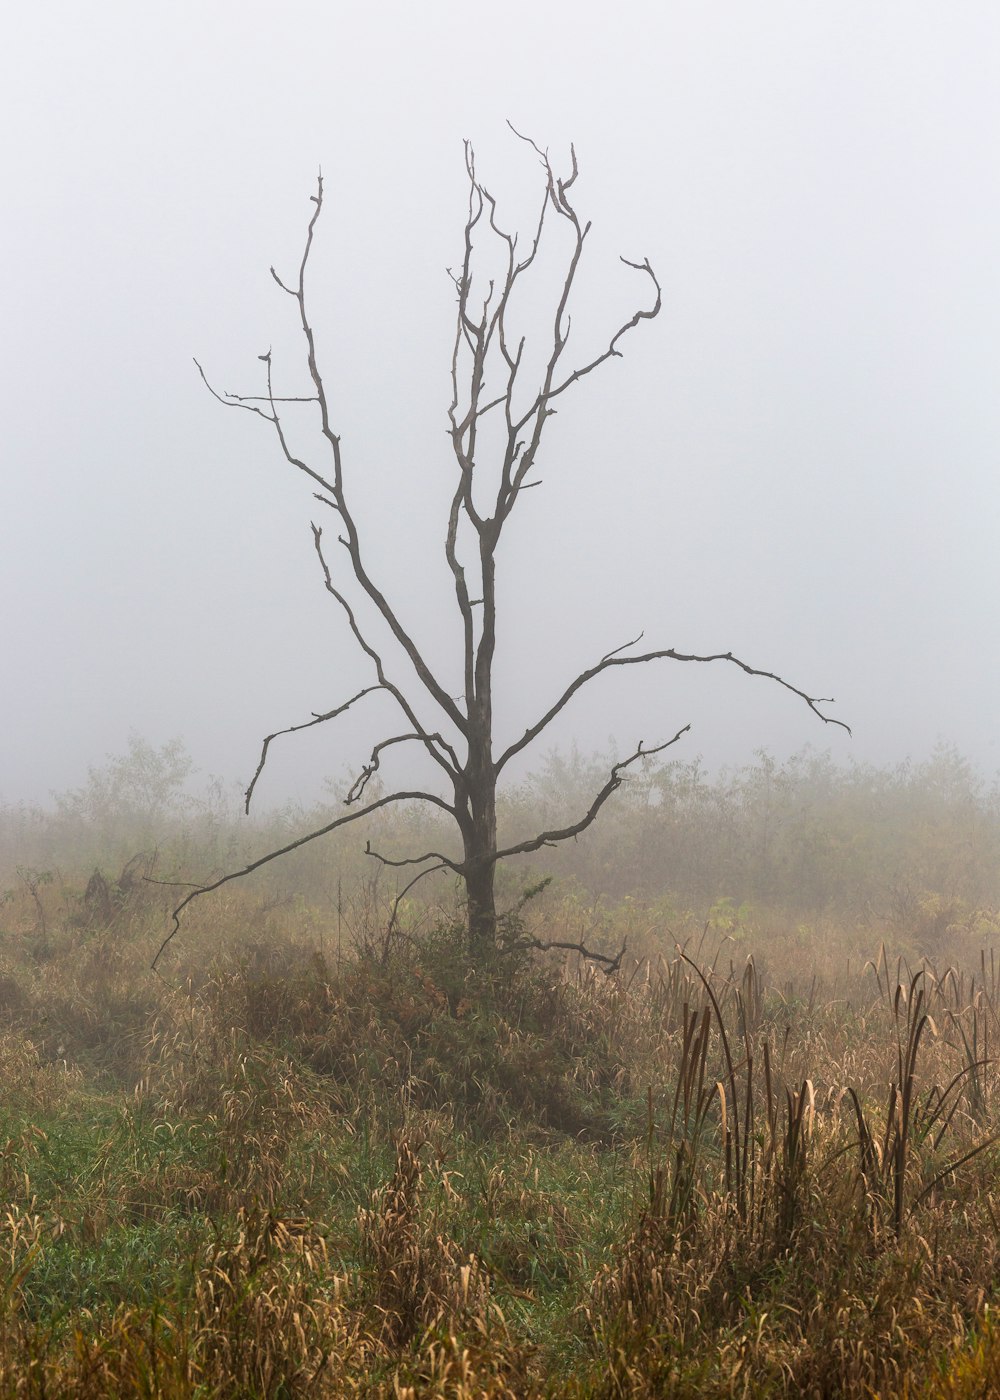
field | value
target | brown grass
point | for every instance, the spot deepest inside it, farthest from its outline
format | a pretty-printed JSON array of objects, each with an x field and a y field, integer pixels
[{"x": 719, "y": 1172}]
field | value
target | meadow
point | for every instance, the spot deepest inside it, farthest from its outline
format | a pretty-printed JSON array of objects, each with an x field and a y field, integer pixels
[{"x": 317, "y": 1154}]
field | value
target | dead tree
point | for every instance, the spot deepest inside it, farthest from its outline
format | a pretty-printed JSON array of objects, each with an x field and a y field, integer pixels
[{"x": 504, "y": 390}]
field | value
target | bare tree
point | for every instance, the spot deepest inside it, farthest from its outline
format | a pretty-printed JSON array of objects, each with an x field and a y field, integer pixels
[{"x": 505, "y": 386}]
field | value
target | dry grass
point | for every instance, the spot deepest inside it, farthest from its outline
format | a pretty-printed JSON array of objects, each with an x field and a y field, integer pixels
[{"x": 275, "y": 1172}]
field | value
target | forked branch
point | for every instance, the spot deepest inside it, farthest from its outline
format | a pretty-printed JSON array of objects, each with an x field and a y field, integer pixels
[{"x": 295, "y": 728}]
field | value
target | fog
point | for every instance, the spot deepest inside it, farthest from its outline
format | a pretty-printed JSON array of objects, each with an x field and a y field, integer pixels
[{"x": 796, "y": 461}]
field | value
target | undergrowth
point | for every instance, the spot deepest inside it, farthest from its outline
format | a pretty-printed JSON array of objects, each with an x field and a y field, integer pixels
[{"x": 399, "y": 1171}]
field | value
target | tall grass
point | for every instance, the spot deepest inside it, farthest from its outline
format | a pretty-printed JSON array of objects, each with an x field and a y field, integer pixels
[
  {"x": 266, "y": 1174},
  {"x": 319, "y": 1157}
]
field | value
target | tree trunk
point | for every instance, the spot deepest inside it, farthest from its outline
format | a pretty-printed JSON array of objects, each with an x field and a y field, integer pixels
[
  {"x": 482, "y": 906},
  {"x": 479, "y": 866}
]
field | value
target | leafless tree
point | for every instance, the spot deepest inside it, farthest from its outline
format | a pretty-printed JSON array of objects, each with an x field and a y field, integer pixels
[{"x": 505, "y": 386}]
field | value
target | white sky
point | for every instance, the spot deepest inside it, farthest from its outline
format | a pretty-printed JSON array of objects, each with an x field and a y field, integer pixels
[{"x": 797, "y": 461}]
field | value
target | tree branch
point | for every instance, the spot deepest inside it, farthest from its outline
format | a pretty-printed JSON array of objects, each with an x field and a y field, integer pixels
[
  {"x": 372, "y": 766},
  {"x": 611, "y": 965},
  {"x": 335, "y": 488},
  {"x": 431, "y": 870},
  {"x": 552, "y": 838},
  {"x": 441, "y": 751},
  {"x": 354, "y": 816},
  {"x": 397, "y": 864},
  {"x": 614, "y": 658},
  {"x": 515, "y": 471},
  {"x": 612, "y": 351},
  {"x": 294, "y": 729},
  {"x": 231, "y": 400}
]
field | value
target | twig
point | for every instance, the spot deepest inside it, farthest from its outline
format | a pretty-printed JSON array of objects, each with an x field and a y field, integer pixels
[{"x": 295, "y": 728}]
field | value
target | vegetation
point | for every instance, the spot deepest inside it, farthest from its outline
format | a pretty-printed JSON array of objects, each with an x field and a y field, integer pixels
[{"x": 317, "y": 1155}]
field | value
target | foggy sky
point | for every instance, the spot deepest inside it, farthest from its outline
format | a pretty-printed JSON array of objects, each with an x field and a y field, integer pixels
[{"x": 797, "y": 461}]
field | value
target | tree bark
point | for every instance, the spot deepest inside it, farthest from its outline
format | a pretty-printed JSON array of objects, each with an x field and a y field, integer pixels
[
  {"x": 482, "y": 912},
  {"x": 480, "y": 835}
]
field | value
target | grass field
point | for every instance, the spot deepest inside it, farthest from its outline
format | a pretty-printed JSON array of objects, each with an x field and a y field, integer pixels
[
  {"x": 308, "y": 1158},
  {"x": 264, "y": 1174}
]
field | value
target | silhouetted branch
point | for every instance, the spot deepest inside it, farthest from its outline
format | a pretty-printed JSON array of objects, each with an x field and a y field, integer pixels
[
  {"x": 372, "y": 766},
  {"x": 611, "y": 965},
  {"x": 301, "y": 841},
  {"x": 397, "y": 864},
  {"x": 614, "y": 658},
  {"x": 441, "y": 751},
  {"x": 612, "y": 352},
  {"x": 552, "y": 838},
  {"x": 336, "y": 491},
  {"x": 431, "y": 870},
  {"x": 294, "y": 729},
  {"x": 520, "y": 456},
  {"x": 230, "y": 400}
]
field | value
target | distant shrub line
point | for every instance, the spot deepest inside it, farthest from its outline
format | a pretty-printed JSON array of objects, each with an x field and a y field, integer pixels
[{"x": 808, "y": 834}]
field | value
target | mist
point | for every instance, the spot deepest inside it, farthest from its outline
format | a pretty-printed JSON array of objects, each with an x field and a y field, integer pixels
[{"x": 796, "y": 461}]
